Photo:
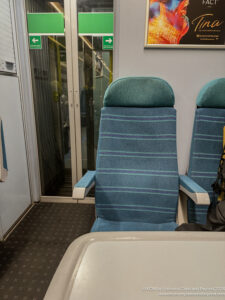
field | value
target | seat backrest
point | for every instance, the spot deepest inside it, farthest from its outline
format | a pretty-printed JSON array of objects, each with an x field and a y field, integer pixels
[
  {"x": 207, "y": 143},
  {"x": 136, "y": 169}
]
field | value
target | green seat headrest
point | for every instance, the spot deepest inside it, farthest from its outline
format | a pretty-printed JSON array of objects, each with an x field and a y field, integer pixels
[
  {"x": 212, "y": 94},
  {"x": 139, "y": 92}
]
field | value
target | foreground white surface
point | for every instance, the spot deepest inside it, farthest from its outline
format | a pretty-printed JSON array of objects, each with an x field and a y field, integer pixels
[{"x": 142, "y": 265}]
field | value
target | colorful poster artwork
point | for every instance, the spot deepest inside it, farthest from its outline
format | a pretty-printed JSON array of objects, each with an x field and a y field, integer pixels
[{"x": 185, "y": 23}]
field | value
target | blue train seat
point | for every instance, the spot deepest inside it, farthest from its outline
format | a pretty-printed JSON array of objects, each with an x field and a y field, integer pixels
[
  {"x": 136, "y": 178},
  {"x": 207, "y": 143}
]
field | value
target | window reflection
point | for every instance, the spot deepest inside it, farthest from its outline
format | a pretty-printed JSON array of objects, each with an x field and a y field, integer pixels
[
  {"x": 49, "y": 79},
  {"x": 95, "y": 74}
]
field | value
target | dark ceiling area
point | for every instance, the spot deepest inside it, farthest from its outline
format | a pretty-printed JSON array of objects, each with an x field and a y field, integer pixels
[
  {"x": 95, "y": 5},
  {"x": 82, "y": 5}
]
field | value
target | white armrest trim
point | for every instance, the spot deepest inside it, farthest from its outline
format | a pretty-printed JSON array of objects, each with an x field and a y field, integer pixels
[
  {"x": 198, "y": 198},
  {"x": 81, "y": 192}
]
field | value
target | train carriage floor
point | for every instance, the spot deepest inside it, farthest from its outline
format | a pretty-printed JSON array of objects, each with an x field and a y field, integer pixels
[{"x": 31, "y": 254}]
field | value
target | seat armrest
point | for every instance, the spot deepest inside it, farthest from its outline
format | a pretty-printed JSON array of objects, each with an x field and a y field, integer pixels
[
  {"x": 194, "y": 191},
  {"x": 84, "y": 185}
]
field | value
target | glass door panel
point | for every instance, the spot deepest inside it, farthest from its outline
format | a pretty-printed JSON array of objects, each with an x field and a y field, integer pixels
[
  {"x": 70, "y": 74},
  {"x": 95, "y": 71},
  {"x": 49, "y": 78}
]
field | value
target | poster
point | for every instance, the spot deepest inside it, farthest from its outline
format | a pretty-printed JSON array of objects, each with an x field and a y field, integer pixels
[{"x": 185, "y": 23}]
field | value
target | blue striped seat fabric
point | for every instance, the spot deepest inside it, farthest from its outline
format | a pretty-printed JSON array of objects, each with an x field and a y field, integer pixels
[
  {"x": 136, "y": 171},
  {"x": 108, "y": 225},
  {"x": 206, "y": 150}
]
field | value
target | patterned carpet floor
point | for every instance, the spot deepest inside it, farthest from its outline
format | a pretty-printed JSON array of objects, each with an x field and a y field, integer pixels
[{"x": 31, "y": 254}]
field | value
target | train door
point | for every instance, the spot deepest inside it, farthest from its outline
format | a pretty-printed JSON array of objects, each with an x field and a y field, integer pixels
[{"x": 71, "y": 57}]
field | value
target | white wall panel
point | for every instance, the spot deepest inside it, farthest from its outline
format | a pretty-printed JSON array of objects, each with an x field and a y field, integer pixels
[
  {"x": 15, "y": 191},
  {"x": 27, "y": 103},
  {"x": 7, "y": 55}
]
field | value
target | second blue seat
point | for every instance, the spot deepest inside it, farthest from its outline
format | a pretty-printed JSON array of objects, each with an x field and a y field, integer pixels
[{"x": 207, "y": 143}]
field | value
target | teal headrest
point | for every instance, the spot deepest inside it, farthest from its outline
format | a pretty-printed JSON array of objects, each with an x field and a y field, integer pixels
[
  {"x": 139, "y": 92},
  {"x": 212, "y": 94}
]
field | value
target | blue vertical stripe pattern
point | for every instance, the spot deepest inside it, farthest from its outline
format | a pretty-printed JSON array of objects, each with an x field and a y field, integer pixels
[
  {"x": 206, "y": 150},
  {"x": 136, "y": 168},
  {"x": 3, "y": 148}
]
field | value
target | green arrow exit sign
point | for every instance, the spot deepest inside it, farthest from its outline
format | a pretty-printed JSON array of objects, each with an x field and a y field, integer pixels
[
  {"x": 107, "y": 42},
  {"x": 35, "y": 42}
]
